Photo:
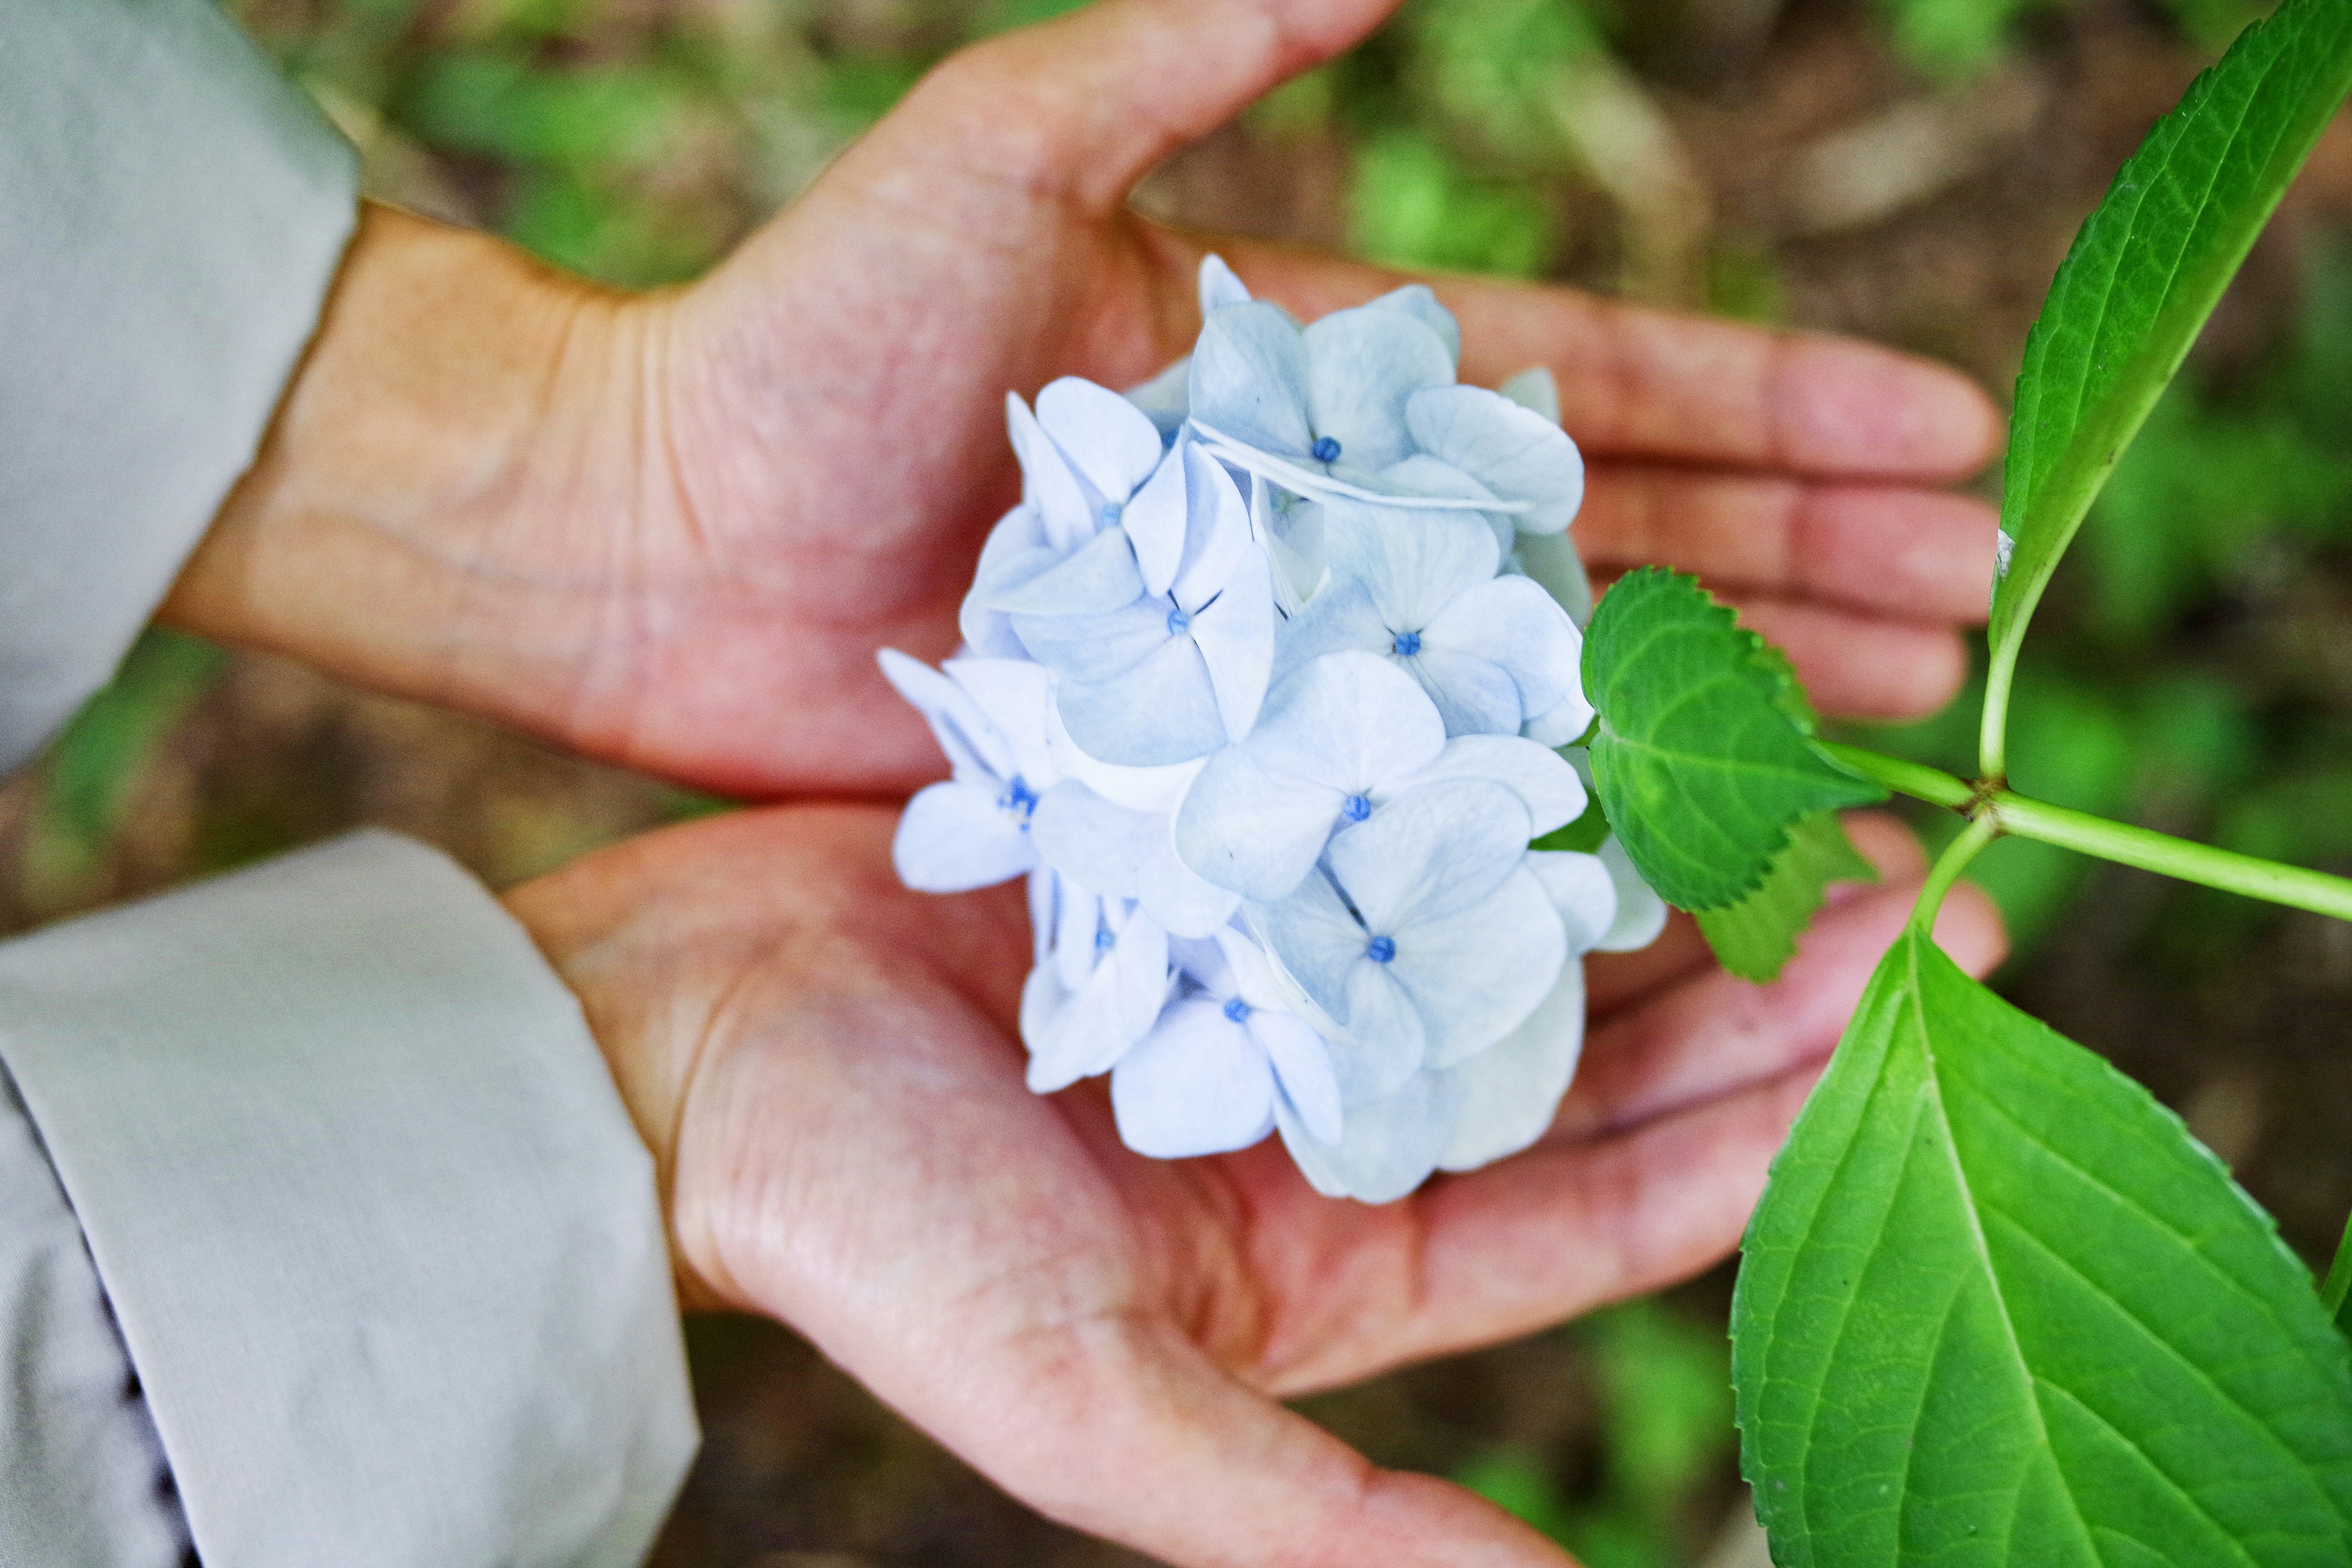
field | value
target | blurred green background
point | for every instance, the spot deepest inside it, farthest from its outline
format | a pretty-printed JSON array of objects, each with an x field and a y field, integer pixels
[{"x": 1910, "y": 170}]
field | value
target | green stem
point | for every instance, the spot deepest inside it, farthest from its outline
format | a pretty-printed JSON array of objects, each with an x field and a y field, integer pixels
[
  {"x": 2150, "y": 851},
  {"x": 1992, "y": 734},
  {"x": 1946, "y": 870}
]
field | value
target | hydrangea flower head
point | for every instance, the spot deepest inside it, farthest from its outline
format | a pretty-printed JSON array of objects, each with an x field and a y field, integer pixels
[{"x": 1262, "y": 689}]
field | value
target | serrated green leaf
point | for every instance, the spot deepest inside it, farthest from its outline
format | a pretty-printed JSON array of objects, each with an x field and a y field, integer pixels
[
  {"x": 2144, "y": 273},
  {"x": 1700, "y": 758},
  {"x": 1754, "y": 937},
  {"x": 1998, "y": 1307}
]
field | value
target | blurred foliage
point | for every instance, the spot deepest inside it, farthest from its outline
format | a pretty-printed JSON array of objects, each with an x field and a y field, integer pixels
[
  {"x": 1945, "y": 39},
  {"x": 1667, "y": 1437}
]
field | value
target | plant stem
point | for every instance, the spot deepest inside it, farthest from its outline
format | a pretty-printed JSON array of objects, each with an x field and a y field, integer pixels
[
  {"x": 2150, "y": 851},
  {"x": 1993, "y": 734},
  {"x": 1982, "y": 830}
]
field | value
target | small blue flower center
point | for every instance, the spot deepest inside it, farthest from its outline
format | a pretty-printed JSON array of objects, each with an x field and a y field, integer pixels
[
  {"x": 1111, "y": 513},
  {"x": 1326, "y": 449},
  {"x": 1381, "y": 948},
  {"x": 1237, "y": 1010},
  {"x": 1355, "y": 809},
  {"x": 1105, "y": 938},
  {"x": 1407, "y": 644},
  {"x": 1178, "y": 621},
  {"x": 1018, "y": 800}
]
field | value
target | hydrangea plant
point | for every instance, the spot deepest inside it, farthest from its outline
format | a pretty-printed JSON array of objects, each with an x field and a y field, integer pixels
[
  {"x": 1259, "y": 694},
  {"x": 1284, "y": 690}
]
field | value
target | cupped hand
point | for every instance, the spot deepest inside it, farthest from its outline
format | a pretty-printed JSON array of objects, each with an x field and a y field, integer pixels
[
  {"x": 672, "y": 529},
  {"x": 825, "y": 1066}
]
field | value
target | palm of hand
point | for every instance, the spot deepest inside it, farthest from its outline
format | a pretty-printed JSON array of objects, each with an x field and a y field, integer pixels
[{"x": 824, "y": 1063}]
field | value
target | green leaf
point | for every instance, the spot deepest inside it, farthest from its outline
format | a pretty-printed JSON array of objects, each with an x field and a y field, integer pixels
[
  {"x": 1998, "y": 1307},
  {"x": 2144, "y": 273},
  {"x": 1754, "y": 937},
  {"x": 1702, "y": 757}
]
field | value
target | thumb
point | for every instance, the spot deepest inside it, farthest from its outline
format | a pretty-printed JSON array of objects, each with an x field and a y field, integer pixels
[
  {"x": 1130, "y": 1431},
  {"x": 1086, "y": 104}
]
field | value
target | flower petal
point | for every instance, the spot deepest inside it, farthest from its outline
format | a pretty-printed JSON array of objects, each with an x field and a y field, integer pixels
[
  {"x": 1016, "y": 695},
  {"x": 1581, "y": 890},
  {"x": 1234, "y": 632},
  {"x": 1362, "y": 367},
  {"x": 1534, "y": 390},
  {"x": 1047, "y": 483},
  {"x": 1474, "y": 696},
  {"x": 1507, "y": 1094},
  {"x": 1552, "y": 790},
  {"x": 1164, "y": 398},
  {"x": 1249, "y": 378},
  {"x": 1096, "y": 647},
  {"x": 1511, "y": 451},
  {"x": 1219, "y": 287},
  {"x": 1155, "y": 520},
  {"x": 1513, "y": 622},
  {"x": 1551, "y": 563},
  {"x": 1163, "y": 710},
  {"x": 1386, "y": 1149},
  {"x": 1098, "y": 577},
  {"x": 1343, "y": 616},
  {"x": 1017, "y": 550},
  {"x": 1088, "y": 839},
  {"x": 1197, "y": 1084},
  {"x": 1081, "y": 933},
  {"x": 1416, "y": 300},
  {"x": 1138, "y": 789},
  {"x": 1423, "y": 481},
  {"x": 953, "y": 837},
  {"x": 1475, "y": 975},
  {"x": 1387, "y": 1035},
  {"x": 1044, "y": 892},
  {"x": 1216, "y": 529},
  {"x": 1348, "y": 720},
  {"x": 1179, "y": 898},
  {"x": 1302, "y": 1068},
  {"x": 1641, "y": 913},
  {"x": 1429, "y": 854},
  {"x": 1315, "y": 939},
  {"x": 1412, "y": 563},
  {"x": 963, "y": 731},
  {"x": 1256, "y": 832},
  {"x": 1109, "y": 441}
]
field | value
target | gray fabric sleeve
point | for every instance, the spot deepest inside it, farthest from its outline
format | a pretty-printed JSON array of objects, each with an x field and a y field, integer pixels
[
  {"x": 170, "y": 215},
  {"x": 382, "y": 1245}
]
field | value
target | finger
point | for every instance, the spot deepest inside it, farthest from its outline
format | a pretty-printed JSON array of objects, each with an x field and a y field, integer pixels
[
  {"x": 1861, "y": 667},
  {"x": 1086, "y": 105},
  {"x": 1715, "y": 1034},
  {"x": 1126, "y": 1430},
  {"x": 1917, "y": 554},
  {"x": 1636, "y": 382}
]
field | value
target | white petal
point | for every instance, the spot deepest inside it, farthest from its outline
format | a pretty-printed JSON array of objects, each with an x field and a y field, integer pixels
[
  {"x": 1477, "y": 974},
  {"x": 1430, "y": 853},
  {"x": 1253, "y": 973},
  {"x": 1081, "y": 933},
  {"x": 1097, "y": 1021},
  {"x": 1581, "y": 890},
  {"x": 1015, "y": 694},
  {"x": 1219, "y": 287},
  {"x": 1293, "y": 537},
  {"x": 1096, "y": 647},
  {"x": 1542, "y": 778},
  {"x": 1550, "y": 562},
  {"x": 963, "y": 730},
  {"x": 1387, "y": 1148},
  {"x": 1343, "y": 616},
  {"x": 1249, "y": 378},
  {"x": 1508, "y": 1093},
  {"x": 1641, "y": 913},
  {"x": 1303, "y": 1068},
  {"x": 1045, "y": 889},
  {"x": 1514, "y": 623},
  {"x": 1362, "y": 367},
  {"x": 1197, "y": 1084},
  {"x": 1416, "y": 300},
  {"x": 1407, "y": 481},
  {"x": 1175, "y": 895},
  {"x": 1047, "y": 483},
  {"x": 1216, "y": 531},
  {"x": 1164, "y": 398},
  {"x": 1563, "y": 726},
  {"x": 1387, "y": 1035},
  {"x": 1155, "y": 520},
  {"x": 1017, "y": 550},
  {"x": 1536, "y": 391},
  {"x": 1234, "y": 632},
  {"x": 1088, "y": 839},
  {"x": 1317, "y": 942},
  {"x": 1255, "y": 831},
  {"x": 1100, "y": 576},
  {"x": 1348, "y": 720},
  {"x": 1474, "y": 696},
  {"x": 953, "y": 837},
  {"x": 1412, "y": 563},
  {"x": 1142, "y": 973},
  {"x": 1138, "y": 789},
  {"x": 1160, "y": 712},
  {"x": 1113, "y": 444},
  {"x": 1511, "y": 451}
]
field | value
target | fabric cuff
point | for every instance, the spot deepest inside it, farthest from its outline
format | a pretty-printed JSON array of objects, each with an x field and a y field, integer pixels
[
  {"x": 174, "y": 215},
  {"x": 383, "y": 1246}
]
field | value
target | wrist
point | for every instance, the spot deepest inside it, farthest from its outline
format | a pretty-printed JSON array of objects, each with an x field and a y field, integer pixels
[{"x": 367, "y": 537}]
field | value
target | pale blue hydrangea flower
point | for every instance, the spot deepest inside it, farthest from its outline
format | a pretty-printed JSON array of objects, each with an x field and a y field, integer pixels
[
  {"x": 989, "y": 716},
  {"x": 1129, "y": 854},
  {"x": 1099, "y": 989},
  {"x": 1422, "y": 934},
  {"x": 1223, "y": 1057},
  {"x": 1180, "y": 668},
  {"x": 1420, "y": 588},
  {"x": 1337, "y": 738}
]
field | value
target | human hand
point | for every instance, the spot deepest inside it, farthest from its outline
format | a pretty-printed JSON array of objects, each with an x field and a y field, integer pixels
[
  {"x": 671, "y": 529},
  {"x": 825, "y": 1066}
]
